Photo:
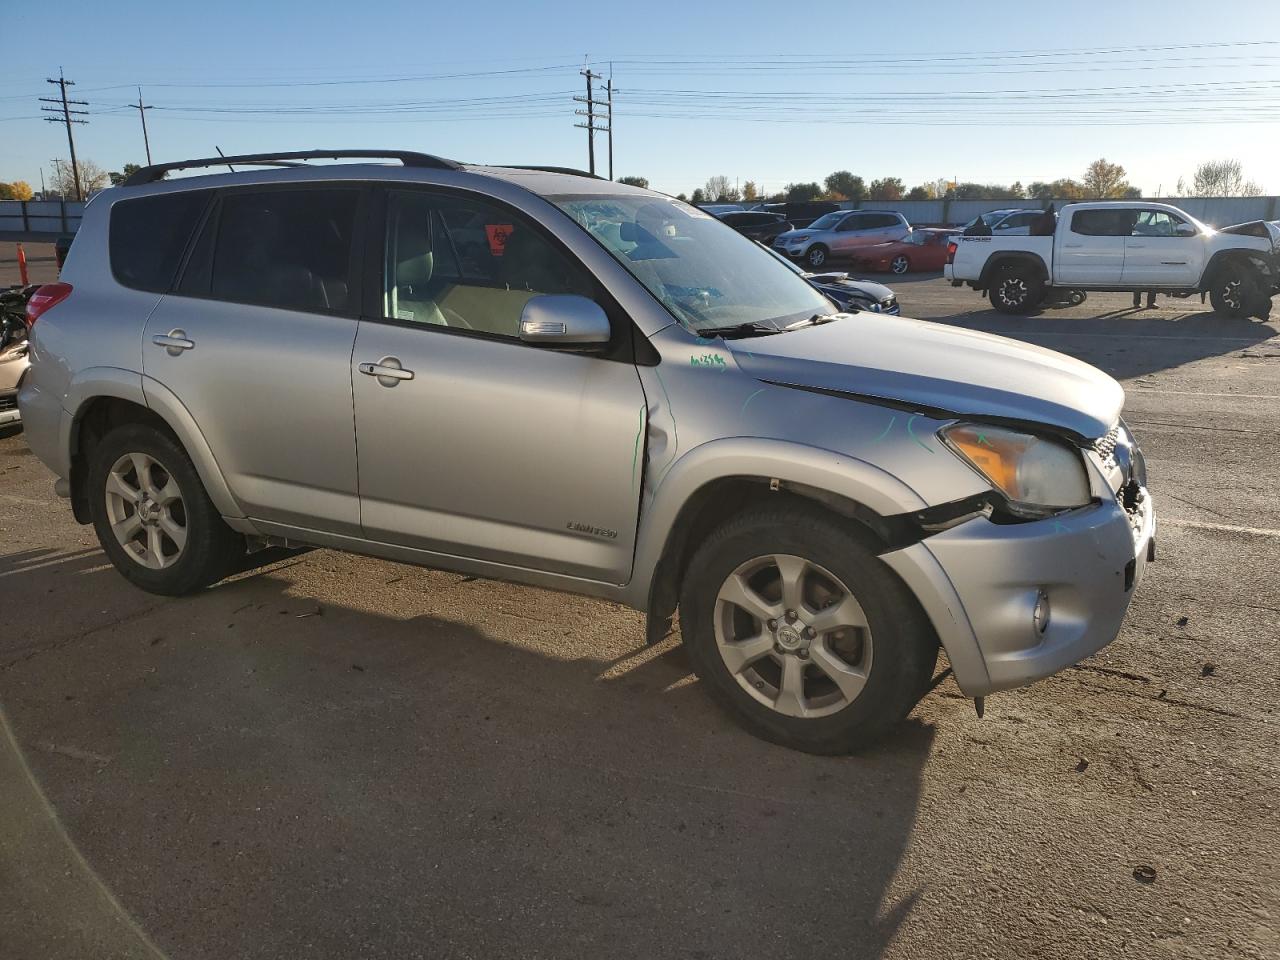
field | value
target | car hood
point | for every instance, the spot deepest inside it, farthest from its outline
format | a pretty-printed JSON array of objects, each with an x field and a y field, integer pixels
[
  {"x": 868, "y": 288},
  {"x": 938, "y": 368}
]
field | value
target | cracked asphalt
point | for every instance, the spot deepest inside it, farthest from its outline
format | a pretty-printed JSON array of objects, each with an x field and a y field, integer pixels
[{"x": 333, "y": 756}]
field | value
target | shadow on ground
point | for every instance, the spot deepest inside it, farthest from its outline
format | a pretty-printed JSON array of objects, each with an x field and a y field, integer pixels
[{"x": 254, "y": 773}]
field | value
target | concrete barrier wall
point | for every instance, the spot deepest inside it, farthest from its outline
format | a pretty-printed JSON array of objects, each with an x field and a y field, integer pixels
[{"x": 39, "y": 219}]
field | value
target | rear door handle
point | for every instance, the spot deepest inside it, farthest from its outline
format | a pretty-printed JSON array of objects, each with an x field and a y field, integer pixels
[
  {"x": 388, "y": 370},
  {"x": 1073, "y": 246},
  {"x": 1137, "y": 246},
  {"x": 175, "y": 341}
]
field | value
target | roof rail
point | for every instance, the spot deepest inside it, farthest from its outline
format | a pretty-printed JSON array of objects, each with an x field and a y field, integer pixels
[
  {"x": 410, "y": 159},
  {"x": 569, "y": 171}
]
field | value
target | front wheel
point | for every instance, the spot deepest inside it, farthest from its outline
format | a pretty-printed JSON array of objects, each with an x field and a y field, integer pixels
[
  {"x": 152, "y": 515},
  {"x": 1233, "y": 291},
  {"x": 801, "y": 633},
  {"x": 900, "y": 264},
  {"x": 1016, "y": 289},
  {"x": 816, "y": 256}
]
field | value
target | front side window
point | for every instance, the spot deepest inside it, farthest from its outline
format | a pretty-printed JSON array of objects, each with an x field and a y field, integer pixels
[
  {"x": 290, "y": 249},
  {"x": 467, "y": 264},
  {"x": 829, "y": 221},
  {"x": 1158, "y": 223},
  {"x": 706, "y": 274}
]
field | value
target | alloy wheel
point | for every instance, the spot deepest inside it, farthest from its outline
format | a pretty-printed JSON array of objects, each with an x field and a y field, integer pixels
[
  {"x": 146, "y": 511},
  {"x": 793, "y": 636},
  {"x": 1013, "y": 291},
  {"x": 817, "y": 257},
  {"x": 899, "y": 264},
  {"x": 1231, "y": 295}
]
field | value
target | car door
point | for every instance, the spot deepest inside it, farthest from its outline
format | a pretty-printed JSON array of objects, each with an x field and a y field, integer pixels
[
  {"x": 485, "y": 446},
  {"x": 255, "y": 341},
  {"x": 849, "y": 234},
  {"x": 1090, "y": 251},
  {"x": 888, "y": 227},
  {"x": 1164, "y": 250}
]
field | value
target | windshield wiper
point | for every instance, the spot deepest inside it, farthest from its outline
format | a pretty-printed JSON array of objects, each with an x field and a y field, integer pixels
[
  {"x": 816, "y": 319},
  {"x": 737, "y": 330}
]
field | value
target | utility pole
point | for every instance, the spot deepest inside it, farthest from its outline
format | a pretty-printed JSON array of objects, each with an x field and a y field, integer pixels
[
  {"x": 590, "y": 114},
  {"x": 42, "y": 190},
  {"x": 609, "y": 102},
  {"x": 57, "y": 166},
  {"x": 66, "y": 118},
  {"x": 142, "y": 113}
]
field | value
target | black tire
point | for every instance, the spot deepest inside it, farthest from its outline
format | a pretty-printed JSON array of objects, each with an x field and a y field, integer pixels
[
  {"x": 904, "y": 645},
  {"x": 1016, "y": 289},
  {"x": 1234, "y": 290},
  {"x": 211, "y": 551},
  {"x": 900, "y": 264},
  {"x": 1076, "y": 297},
  {"x": 817, "y": 255}
]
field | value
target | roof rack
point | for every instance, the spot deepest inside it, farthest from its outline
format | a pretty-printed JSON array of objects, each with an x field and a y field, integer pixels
[
  {"x": 410, "y": 159},
  {"x": 569, "y": 171}
]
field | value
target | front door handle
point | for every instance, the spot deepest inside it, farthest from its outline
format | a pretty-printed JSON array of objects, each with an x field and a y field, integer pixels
[
  {"x": 1137, "y": 246},
  {"x": 1073, "y": 246},
  {"x": 174, "y": 342},
  {"x": 388, "y": 370}
]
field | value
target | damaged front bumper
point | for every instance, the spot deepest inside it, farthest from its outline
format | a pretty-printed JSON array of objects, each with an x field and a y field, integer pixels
[{"x": 1013, "y": 603}]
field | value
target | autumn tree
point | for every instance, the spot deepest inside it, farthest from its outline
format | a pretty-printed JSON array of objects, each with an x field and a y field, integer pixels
[
  {"x": 1104, "y": 181},
  {"x": 843, "y": 184},
  {"x": 18, "y": 190},
  {"x": 799, "y": 192},
  {"x": 629, "y": 181},
  {"x": 92, "y": 179},
  {"x": 1063, "y": 189},
  {"x": 749, "y": 191},
  {"x": 1220, "y": 178},
  {"x": 887, "y": 188}
]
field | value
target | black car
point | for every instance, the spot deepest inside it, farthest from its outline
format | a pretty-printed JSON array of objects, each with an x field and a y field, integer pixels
[
  {"x": 801, "y": 213},
  {"x": 756, "y": 224},
  {"x": 847, "y": 293}
]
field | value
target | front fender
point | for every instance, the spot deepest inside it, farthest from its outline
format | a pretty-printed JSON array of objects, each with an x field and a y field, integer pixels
[{"x": 836, "y": 473}]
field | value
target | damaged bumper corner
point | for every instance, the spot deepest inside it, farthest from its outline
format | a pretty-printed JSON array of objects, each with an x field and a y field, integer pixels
[{"x": 980, "y": 582}]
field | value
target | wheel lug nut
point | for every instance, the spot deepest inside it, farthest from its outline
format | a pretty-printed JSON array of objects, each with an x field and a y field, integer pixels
[
  {"x": 773, "y": 624},
  {"x": 810, "y": 632},
  {"x": 791, "y": 615},
  {"x": 777, "y": 648},
  {"x": 804, "y": 654}
]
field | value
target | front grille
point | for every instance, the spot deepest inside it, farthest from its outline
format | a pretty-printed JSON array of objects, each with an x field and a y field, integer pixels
[
  {"x": 1106, "y": 447},
  {"x": 9, "y": 402}
]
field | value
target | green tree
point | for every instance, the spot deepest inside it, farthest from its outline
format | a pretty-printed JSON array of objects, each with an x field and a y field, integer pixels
[
  {"x": 844, "y": 184},
  {"x": 630, "y": 181},
  {"x": 1063, "y": 189},
  {"x": 681, "y": 196},
  {"x": 918, "y": 193},
  {"x": 887, "y": 188},
  {"x": 698, "y": 197},
  {"x": 1104, "y": 181},
  {"x": 799, "y": 192},
  {"x": 128, "y": 170}
]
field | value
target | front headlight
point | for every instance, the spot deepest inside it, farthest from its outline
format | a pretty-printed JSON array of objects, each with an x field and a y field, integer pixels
[
  {"x": 800, "y": 239},
  {"x": 1037, "y": 474}
]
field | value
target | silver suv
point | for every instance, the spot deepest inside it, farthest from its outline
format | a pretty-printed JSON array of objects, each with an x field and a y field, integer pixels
[
  {"x": 840, "y": 233},
  {"x": 540, "y": 376}
]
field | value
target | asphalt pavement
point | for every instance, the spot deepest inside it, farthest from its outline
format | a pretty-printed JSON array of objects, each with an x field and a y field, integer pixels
[{"x": 334, "y": 756}]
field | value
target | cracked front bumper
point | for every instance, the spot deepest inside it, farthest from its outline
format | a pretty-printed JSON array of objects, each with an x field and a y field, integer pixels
[{"x": 979, "y": 583}]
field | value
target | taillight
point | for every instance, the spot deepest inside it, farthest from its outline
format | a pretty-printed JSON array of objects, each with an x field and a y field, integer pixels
[
  {"x": 47, "y": 296},
  {"x": 952, "y": 247}
]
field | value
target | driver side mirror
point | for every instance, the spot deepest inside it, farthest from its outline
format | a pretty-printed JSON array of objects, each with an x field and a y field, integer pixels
[
  {"x": 1185, "y": 230},
  {"x": 563, "y": 319}
]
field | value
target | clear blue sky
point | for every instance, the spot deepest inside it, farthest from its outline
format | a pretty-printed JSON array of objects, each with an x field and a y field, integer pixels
[{"x": 985, "y": 91}]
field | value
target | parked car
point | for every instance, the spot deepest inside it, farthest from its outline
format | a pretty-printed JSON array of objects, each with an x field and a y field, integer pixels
[
  {"x": 840, "y": 233},
  {"x": 715, "y": 209},
  {"x": 615, "y": 395},
  {"x": 756, "y": 224},
  {"x": 1014, "y": 222},
  {"x": 924, "y": 248},
  {"x": 1124, "y": 245},
  {"x": 13, "y": 349},
  {"x": 848, "y": 293},
  {"x": 801, "y": 213}
]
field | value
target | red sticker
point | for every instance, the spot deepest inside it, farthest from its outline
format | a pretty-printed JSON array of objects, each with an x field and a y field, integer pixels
[{"x": 498, "y": 233}]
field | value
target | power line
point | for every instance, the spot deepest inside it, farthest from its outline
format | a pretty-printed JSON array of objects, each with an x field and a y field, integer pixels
[{"x": 67, "y": 112}]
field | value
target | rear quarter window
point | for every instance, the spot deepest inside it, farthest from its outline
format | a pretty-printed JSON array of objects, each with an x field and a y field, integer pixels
[{"x": 148, "y": 236}]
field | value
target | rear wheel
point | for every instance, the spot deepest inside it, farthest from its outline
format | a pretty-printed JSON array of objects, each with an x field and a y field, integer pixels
[
  {"x": 801, "y": 633},
  {"x": 817, "y": 255},
  {"x": 900, "y": 264},
  {"x": 1016, "y": 289},
  {"x": 152, "y": 515}
]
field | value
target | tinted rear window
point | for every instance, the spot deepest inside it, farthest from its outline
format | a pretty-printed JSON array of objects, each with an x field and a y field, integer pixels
[
  {"x": 875, "y": 220},
  {"x": 279, "y": 248},
  {"x": 149, "y": 235}
]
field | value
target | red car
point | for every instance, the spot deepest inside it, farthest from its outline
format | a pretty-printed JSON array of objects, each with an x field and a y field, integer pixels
[{"x": 923, "y": 248}]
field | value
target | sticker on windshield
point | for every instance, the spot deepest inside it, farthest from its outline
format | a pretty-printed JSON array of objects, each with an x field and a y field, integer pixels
[{"x": 497, "y": 234}]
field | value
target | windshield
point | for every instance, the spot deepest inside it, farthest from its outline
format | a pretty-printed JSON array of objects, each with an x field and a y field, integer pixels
[
  {"x": 827, "y": 221},
  {"x": 704, "y": 272}
]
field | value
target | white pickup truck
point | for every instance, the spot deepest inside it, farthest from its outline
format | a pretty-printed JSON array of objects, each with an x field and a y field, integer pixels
[{"x": 1122, "y": 245}]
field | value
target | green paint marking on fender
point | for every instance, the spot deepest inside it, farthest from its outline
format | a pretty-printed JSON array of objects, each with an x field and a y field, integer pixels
[
  {"x": 892, "y": 420},
  {"x": 913, "y": 435}
]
